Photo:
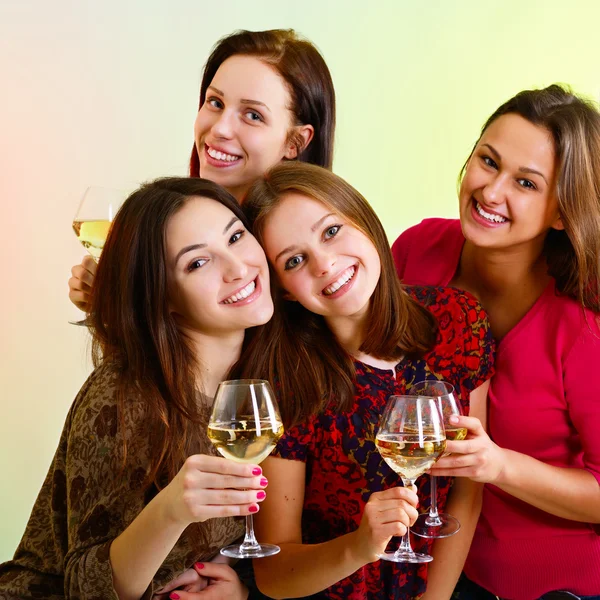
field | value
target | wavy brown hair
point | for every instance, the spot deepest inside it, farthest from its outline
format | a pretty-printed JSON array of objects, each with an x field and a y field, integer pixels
[
  {"x": 306, "y": 74},
  {"x": 296, "y": 348},
  {"x": 573, "y": 254},
  {"x": 132, "y": 326}
]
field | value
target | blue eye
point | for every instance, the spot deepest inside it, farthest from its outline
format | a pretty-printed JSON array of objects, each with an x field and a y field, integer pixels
[
  {"x": 236, "y": 236},
  {"x": 331, "y": 231},
  {"x": 197, "y": 264},
  {"x": 293, "y": 262}
]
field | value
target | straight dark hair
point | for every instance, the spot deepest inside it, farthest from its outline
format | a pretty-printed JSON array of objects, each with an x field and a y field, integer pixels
[
  {"x": 573, "y": 254},
  {"x": 132, "y": 325},
  {"x": 304, "y": 71},
  {"x": 296, "y": 348}
]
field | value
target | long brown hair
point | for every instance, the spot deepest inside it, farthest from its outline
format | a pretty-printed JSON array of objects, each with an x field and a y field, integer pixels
[
  {"x": 296, "y": 348},
  {"x": 133, "y": 328},
  {"x": 573, "y": 255},
  {"x": 305, "y": 72}
]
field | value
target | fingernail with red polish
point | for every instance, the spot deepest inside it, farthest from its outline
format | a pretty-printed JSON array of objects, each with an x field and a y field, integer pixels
[
  {"x": 261, "y": 495},
  {"x": 199, "y": 565},
  {"x": 264, "y": 482},
  {"x": 256, "y": 471},
  {"x": 253, "y": 509},
  {"x": 174, "y": 596}
]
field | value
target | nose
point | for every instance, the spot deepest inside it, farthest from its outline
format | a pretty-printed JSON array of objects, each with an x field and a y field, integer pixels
[
  {"x": 322, "y": 263},
  {"x": 234, "y": 268},
  {"x": 494, "y": 192},
  {"x": 223, "y": 127}
]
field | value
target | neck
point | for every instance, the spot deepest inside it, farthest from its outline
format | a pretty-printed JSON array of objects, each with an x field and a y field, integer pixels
[
  {"x": 239, "y": 193},
  {"x": 486, "y": 272},
  {"x": 216, "y": 354},
  {"x": 350, "y": 331}
]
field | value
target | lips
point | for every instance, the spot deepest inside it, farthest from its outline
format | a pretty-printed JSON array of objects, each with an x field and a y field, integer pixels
[
  {"x": 485, "y": 216},
  {"x": 341, "y": 284},
  {"x": 219, "y": 157},
  {"x": 244, "y": 295}
]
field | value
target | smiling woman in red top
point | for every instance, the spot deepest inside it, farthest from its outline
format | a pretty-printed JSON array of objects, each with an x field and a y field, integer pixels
[{"x": 528, "y": 246}]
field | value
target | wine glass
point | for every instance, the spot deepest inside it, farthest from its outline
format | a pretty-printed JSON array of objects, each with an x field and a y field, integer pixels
[
  {"x": 434, "y": 524},
  {"x": 410, "y": 439},
  {"x": 244, "y": 426},
  {"x": 92, "y": 220}
]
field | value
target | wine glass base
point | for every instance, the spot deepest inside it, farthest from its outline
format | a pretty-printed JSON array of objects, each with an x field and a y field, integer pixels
[
  {"x": 407, "y": 557},
  {"x": 259, "y": 551},
  {"x": 425, "y": 526}
]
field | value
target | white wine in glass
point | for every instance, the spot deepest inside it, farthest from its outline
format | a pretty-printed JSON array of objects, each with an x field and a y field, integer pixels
[
  {"x": 245, "y": 426},
  {"x": 410, "y": 439},
  {"x": 93, "y": 218},
  {"x": 435, "y": 524}
]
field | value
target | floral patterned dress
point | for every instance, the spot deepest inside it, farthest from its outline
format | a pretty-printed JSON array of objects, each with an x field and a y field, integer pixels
[
  {"x": 343, "y": 466},
  {"x": 87, "y": 500}
]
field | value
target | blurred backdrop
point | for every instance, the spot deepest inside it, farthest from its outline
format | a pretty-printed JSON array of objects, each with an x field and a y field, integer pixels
[{"x": 105, "y": 93}]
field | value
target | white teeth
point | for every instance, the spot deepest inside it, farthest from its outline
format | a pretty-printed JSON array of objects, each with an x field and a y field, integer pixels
[
  {"x": 489, "y": 216},
  {"x": 221, "y": 155},
  {"x": 344, "y": 278},
  {"x": 247, "y": 291}
]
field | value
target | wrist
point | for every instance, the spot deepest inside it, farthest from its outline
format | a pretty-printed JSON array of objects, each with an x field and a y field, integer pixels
[
  {"x": 163, "y": 508},
  {"x": 355, "y": 550},
  {"x": 504, "y": 475}
]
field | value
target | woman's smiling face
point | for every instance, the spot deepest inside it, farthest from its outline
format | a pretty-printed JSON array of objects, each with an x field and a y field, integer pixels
[
  {"x": 243, "y": 128},
  {"x": 321, "y": 259}
]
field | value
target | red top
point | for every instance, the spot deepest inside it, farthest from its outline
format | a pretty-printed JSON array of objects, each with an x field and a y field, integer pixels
[
  {"x": 343, "y": 466},
  {"x": 543, "y": 402}
]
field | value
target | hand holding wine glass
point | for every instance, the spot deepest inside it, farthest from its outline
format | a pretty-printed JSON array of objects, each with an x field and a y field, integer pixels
[
  {"x": 410, "y": 439},
  {"x": 244, "y": 427},
  {"x": 92, "y": 220}
]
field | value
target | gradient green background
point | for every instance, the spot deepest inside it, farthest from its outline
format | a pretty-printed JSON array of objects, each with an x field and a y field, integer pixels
[{"x": 105, "y": 93}]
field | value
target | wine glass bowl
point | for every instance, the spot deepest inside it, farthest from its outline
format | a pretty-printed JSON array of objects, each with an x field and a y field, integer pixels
[
  {"x": 410, "y": 440},
  {"x": 433, "y": 524},
  {"x": 245, "y": 426},
  {"x": 93, "y": 219}
]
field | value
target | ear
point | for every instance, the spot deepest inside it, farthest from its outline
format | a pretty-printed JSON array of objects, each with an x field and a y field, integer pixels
[
  {"x": 558, "y": 224},
  {"x": 300, "y": 138}
]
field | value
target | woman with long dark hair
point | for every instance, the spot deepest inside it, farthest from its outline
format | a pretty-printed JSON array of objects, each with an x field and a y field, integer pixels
[{"x": 135, "y": 494}]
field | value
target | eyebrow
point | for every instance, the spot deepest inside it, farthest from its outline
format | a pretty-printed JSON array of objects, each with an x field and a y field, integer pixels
[
  {"x": 200, "y": 246},
  {"x": 521, "y": 169},
  {"x": 313, "y": 229},
  {"x": 243, "y": 100}
]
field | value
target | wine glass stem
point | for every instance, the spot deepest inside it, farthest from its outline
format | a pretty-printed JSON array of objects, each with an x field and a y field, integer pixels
[
  {"x": 433, "y": 510},
  {"x": 405, "y": 540},
  {"x": 249, "y": 539}
]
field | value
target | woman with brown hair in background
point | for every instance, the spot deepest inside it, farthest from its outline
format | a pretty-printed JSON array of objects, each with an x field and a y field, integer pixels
[{"x": 266, "y": 96}]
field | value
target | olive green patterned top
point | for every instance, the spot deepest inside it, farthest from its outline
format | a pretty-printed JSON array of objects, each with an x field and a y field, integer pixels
[{"x": 88, "y": 499}]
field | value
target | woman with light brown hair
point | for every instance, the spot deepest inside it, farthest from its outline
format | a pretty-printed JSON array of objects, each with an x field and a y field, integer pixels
[
  {"x": 528, "y": 246},
  {"x": 345, "y": 336}
]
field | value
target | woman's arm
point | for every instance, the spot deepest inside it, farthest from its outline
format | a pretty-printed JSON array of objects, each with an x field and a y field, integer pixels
[
  {"x": 305, "y": 569},
  {"x": 464, "y": 503},
  {"x": 206, "y": 487}
]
